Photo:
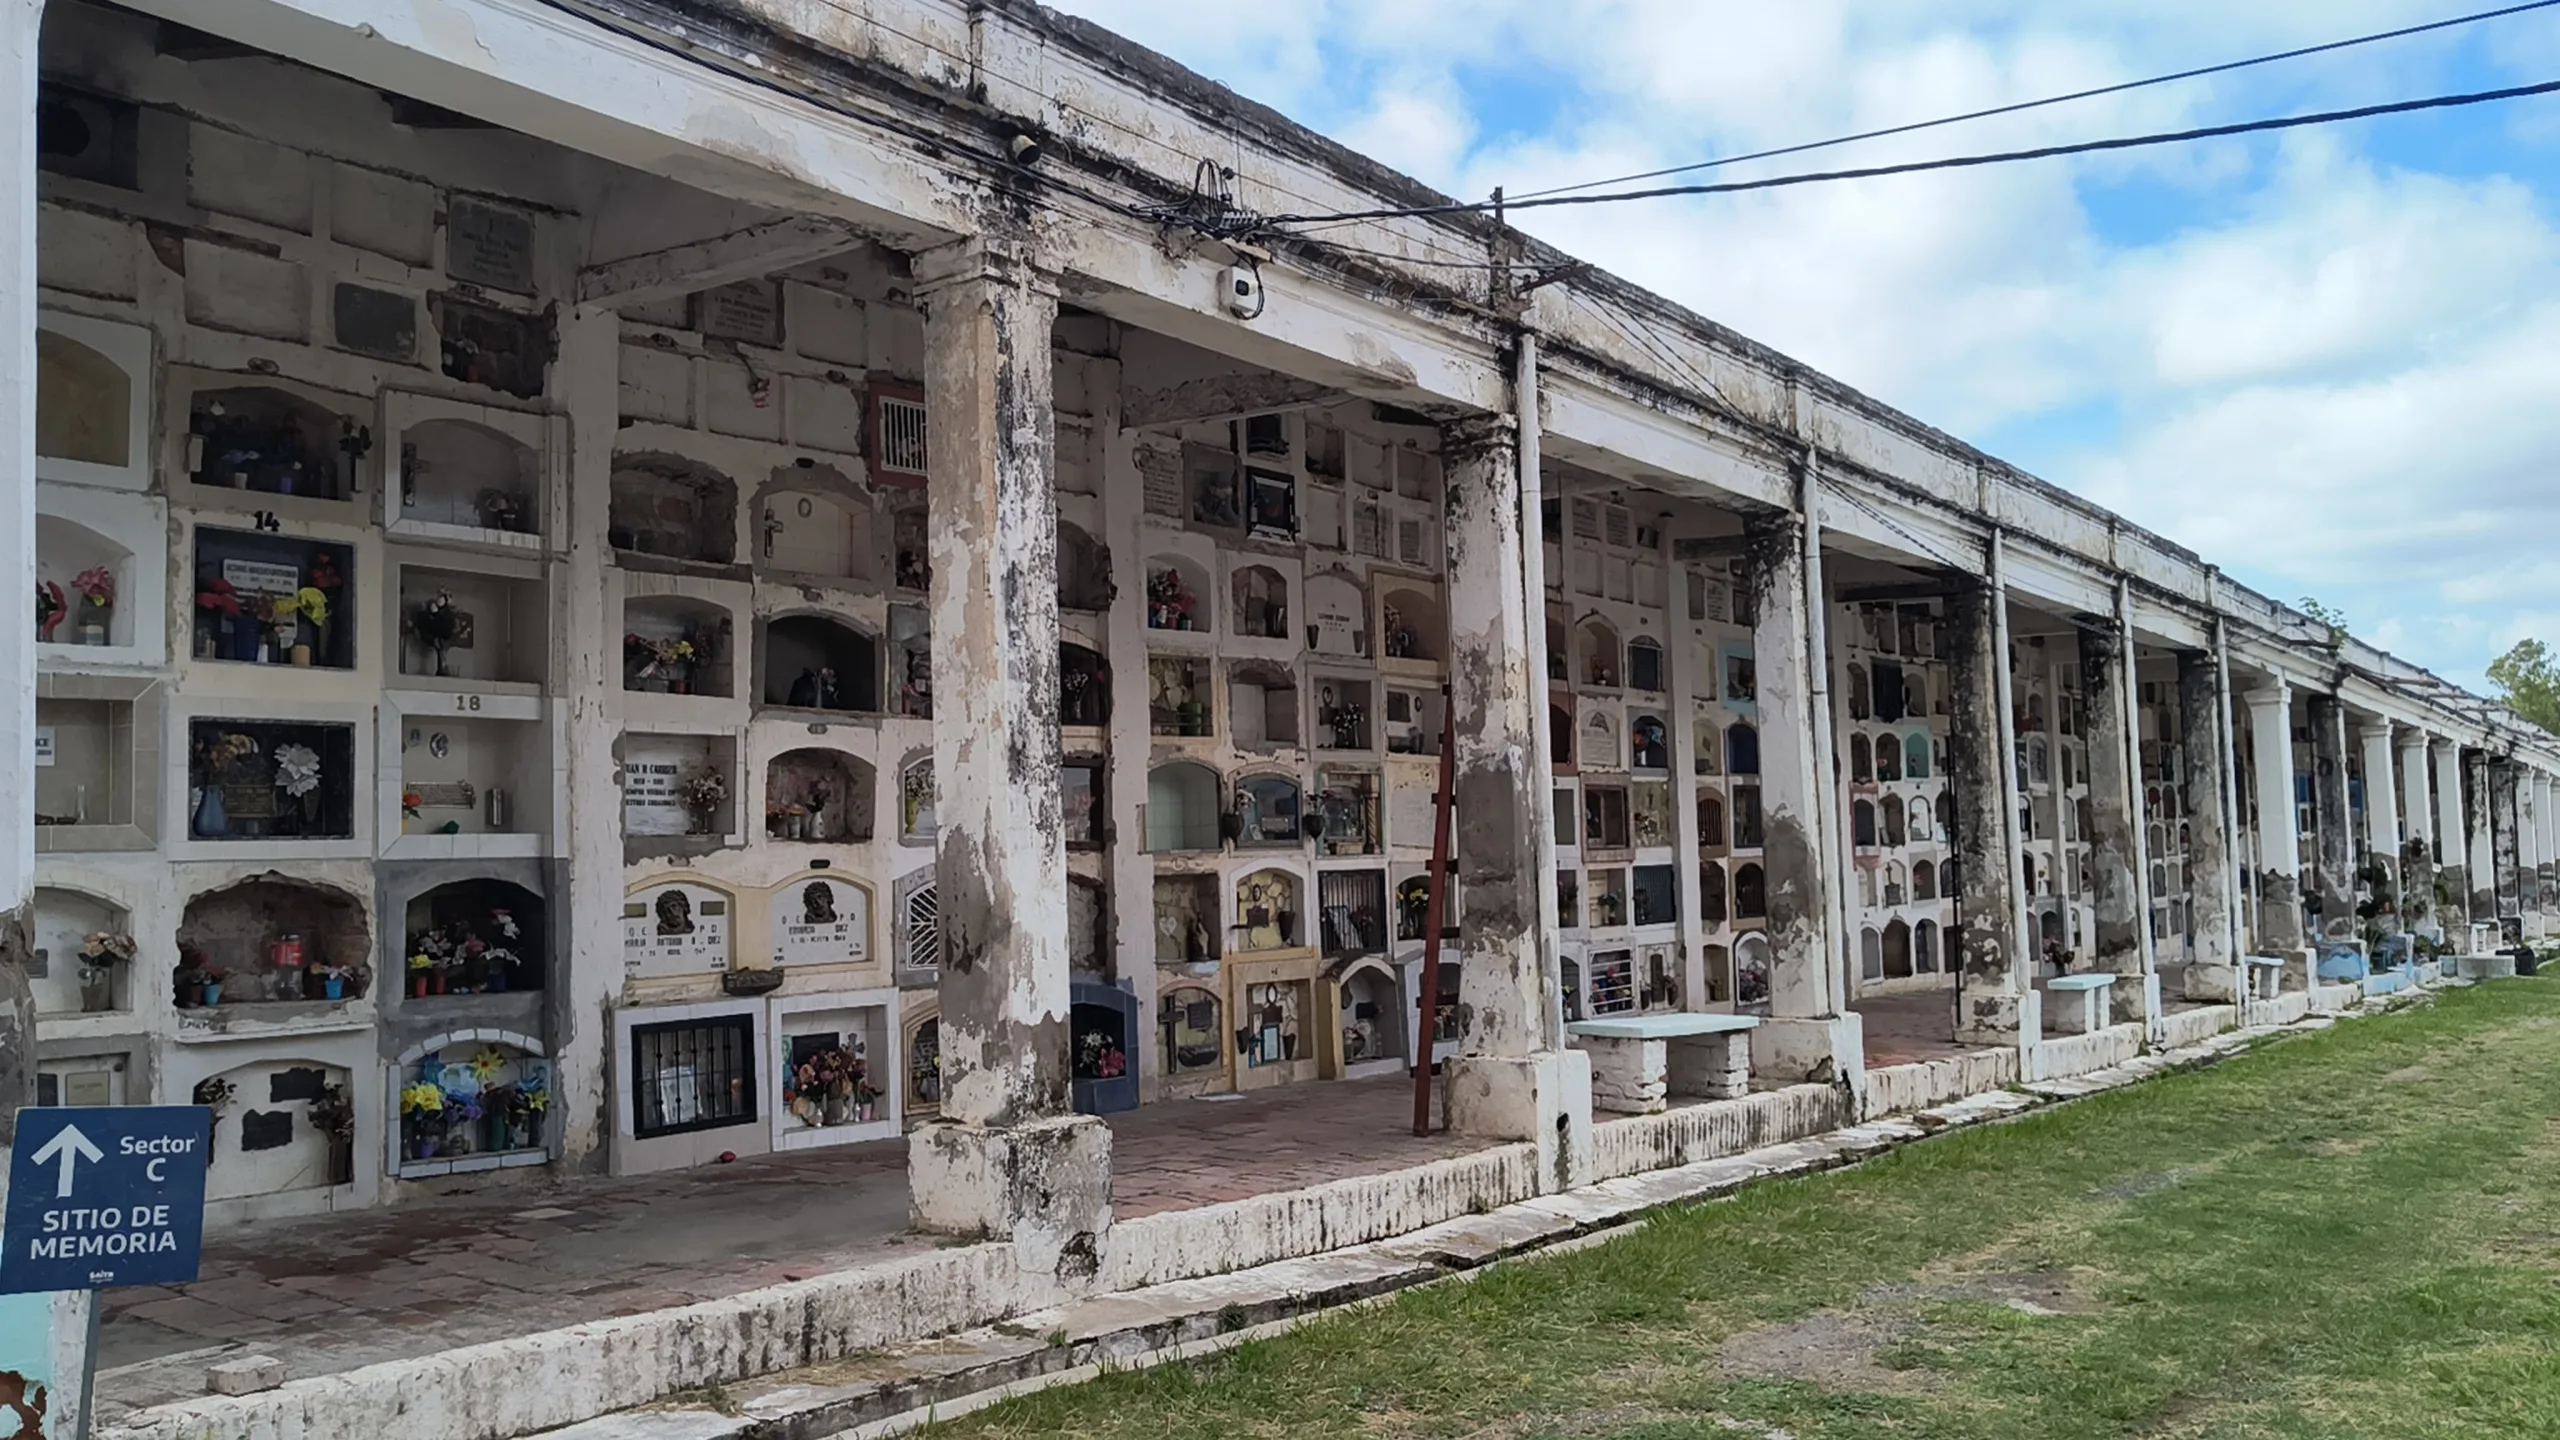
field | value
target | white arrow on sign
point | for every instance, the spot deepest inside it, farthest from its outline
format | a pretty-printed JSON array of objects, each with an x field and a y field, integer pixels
[{"x": 73, "y": 1147}]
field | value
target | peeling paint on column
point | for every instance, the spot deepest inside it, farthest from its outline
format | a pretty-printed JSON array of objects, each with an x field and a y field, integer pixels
[
  {"x": 2481, "y": 865},
  {"x": 2333, "y": 823},
  {"x": 1987, "y": 942},
  {"x": 17, "y": 1018},
  {"x": 2279, "y": 879},
  {"x": 1804, "y": 965},
  {"x": 2115, "y": 881},
  {"x": 2502, "y": 849},
  {"x": 2206, "y": 794},
  {"x": 1000, "y": 850},
  {"x": 1506, "y": 996}
]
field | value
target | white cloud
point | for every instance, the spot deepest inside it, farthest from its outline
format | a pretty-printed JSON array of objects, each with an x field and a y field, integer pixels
[{"x": 2332, "y": 376}]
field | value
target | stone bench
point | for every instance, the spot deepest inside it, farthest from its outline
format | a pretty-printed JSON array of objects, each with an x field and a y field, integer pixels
[
  {"x": 2092, "y": 990},
  {"x": 1639, "y": 1061},
  {"x": 2263, "y": 976}
]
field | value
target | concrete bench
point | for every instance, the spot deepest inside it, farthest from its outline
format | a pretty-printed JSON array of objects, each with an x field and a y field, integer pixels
[
  {"x": 2264, "y": 976},
  {"x": 2092, "y": 990},
  {"x": 1639, "y": 1061}
]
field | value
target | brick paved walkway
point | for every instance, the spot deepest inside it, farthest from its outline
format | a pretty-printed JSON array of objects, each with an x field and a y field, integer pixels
[{"x": 329, "y": 1293}]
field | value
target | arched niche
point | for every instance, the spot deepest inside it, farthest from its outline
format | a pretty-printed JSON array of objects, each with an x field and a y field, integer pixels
[
  {"x": 1915, "y": 693},
  {"x": 85, "y": 402},
  {"x": 1924, "y": 947},
  {"x": 1599, "y": 740},
  {"x": 1742, "y": 749},
  {"x": 271, "y": 440},
  {"x": 1946, "y": 808},
  {"x": 1915, "y": 756},
  {"x": 1751, "y": 970},
  {"x": 1861, "y": 701},
  {"x": 1870, "y": 954},
  {"x": 66, "y": 550},
  {"x": 481, "y": 936},
  {"x": 1924, "y": 881},
  {"x": 1648, "y": 743},
  {"x": 1267, "y": 810},
  {"x": 1191, "y": 1041},
  {"x": 813, "y": 520},
  {"x": 1897, "y": 950},
  {"x": 1712, "y": 905},
  {"x": 460, "y": 472},
  {"x": 1372, "y": 1013},
  {"x": 1708, "y": 739},
  {"x": 1645, "y": 670},
  {"x": 821, "y": 795},
  {"x": 1560, "y": 734},
  {"x": 1866, "y": 887},
  {"x": 1888, "y": 758},
  {"x": 924, "y": 1065},
  {"x": 1262, "y": 704},
  {"x": 1269, "y": 911},
  {"x": 1337, "y": 615},
  {"x": 815, "y": 661},
  {"x": 1182, "y": 808},
  {"x": 1750, "y": 892},
  {"x": 1084, "y": 571},
  {"x": 65, "y": 978},
  {"x": 1862, "y": 760},
  {"x": 910, "y": 561},
  {"x": 1603, "y": 663},
  {"x": 1895, "y": 836},
  {"x": 1862, "y": 824},
  {"x": 1918, "y": 807},
  {"x": 669, "y": 506},
  {"x": 497, "y": 1088},
  {"x": 1088, "y": 927},
  {"x": 249, "y": 931},
  {"x": 1559, "y": 653},
  {"x": 916, "y": 820},
  {"x": 1258, "y": 597},
  {"x": 1897, "y": 884},
  {"x": 1178, "y": 594},
  {"x": 908, "y": 688},
  {"x": 676, "y": 644},
  {"x": 1412, "y": 625},
  {"x": 1711, "y": 832},
  {"x": 1413, "y": 906},
  {"x": 1084, "y": 685}
]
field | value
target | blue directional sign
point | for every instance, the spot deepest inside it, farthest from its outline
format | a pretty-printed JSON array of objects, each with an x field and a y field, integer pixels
[{"x": 104, "y": 1195}]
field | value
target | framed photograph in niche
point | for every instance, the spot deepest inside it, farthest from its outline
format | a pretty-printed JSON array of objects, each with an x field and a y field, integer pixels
[{"x": 1271, "y": 500}]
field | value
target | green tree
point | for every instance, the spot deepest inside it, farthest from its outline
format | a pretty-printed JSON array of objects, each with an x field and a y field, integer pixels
[
  {"x": 2528, "y": 680},
  {"x": 2336, "y": 620}
]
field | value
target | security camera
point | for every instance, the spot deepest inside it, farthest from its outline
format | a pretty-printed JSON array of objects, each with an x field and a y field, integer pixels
[{"x": 1025, "y": 148}]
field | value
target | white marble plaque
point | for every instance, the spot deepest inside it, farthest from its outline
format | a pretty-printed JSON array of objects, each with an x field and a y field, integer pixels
[
  {"x": 675, "y": 929},
  {"x": 821, "y": 921}
]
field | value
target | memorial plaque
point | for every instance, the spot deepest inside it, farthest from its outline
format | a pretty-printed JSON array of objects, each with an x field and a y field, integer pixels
[
  {"x": 381, "y": 323},
  {"x": 821, "y": 922},
  {"x": 750, "y": 310},
  {"x": 675, "y": 929},
  {"x": 489, "y": 245}
]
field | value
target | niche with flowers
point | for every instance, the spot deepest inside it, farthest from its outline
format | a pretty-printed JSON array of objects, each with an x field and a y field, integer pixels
[
  {"x": 271, "y": 939},
  {"x": 270, "y": 779},
  {"x": 480, "y": 936},
  {"x": 471, "y": 1102},
  {"x": 273, "y": 599}
]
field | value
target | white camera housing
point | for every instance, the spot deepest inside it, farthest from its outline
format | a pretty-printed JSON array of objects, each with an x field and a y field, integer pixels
[{"x": 1241, "y": 288}]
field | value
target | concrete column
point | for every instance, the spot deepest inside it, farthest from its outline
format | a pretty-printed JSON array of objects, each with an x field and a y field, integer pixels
[
  {"x": 1809, "y": 1034},
  {"x": 587, "y": 679},
  {"x": 2204, "y": 772},
  {"x": 1513, "y": 1078},
  {"x": 2382, "y": 818},
  {"x": 2479, "y": 838},
  {"x": 2452, "y": 843},
  {"x": 2547, "y": 817},
  {"x": 1991, "y": 939},
  {"x": 2416, "y": 857},
  {"x": 2333, "y": 824},
  {"x": 2528, "y": 854},
  {"x": 2504, "y": 847},
  {"x": 1005, "y": 1158},
  {"x": 2279, "y": 844},
  {"x": 2115, "y": 824}
]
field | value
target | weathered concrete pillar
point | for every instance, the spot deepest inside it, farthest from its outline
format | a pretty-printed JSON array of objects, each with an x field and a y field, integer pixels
[
  {"x": 2417, "y": 856},
  {"x": 2453, "y": 843},
  {"x": 2479, "y": 838},
  {"x": 2279, "y": 843},
  {"x": 2528, "y": 854},
  {"x": 2204, "y": 773},
  {"x": 1991, "y": 931},
  {"x": 2505, "y": 847},
  {"x": 2547, "y": 817},
  {"x": 2115, "y": 824},
  {"x": 1005, "y": 1158},
  {"x": 1809, "y": 1033},
  {"x": 2382, "y": 818},
  {"x": 1513, "y": 1078},
  {"x": 2333, "y": 823}
]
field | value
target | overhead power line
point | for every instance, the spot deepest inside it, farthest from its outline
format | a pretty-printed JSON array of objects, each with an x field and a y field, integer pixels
[
  {"x": 1958, "y": 162},
  {"x": 2023, "y": 105}
]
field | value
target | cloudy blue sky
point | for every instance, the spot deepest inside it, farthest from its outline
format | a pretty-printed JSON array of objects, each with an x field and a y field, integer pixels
[{"x": 2327, "y": 360}]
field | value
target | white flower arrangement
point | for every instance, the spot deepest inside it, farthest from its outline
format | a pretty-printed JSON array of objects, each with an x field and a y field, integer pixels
[{"x": 297, "y": 770}]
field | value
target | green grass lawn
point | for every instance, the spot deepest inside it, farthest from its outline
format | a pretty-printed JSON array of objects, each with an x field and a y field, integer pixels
[{"x": 2355, "y": 1233}]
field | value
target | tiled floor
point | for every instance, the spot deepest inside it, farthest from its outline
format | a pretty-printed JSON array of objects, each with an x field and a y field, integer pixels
[{"x": 329, "y": 1293}]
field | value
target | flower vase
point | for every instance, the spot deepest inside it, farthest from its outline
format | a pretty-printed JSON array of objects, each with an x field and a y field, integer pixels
[
  {"x": 436, "y": 983},
  {"x": 243, "y": 633},
  {"x": 333, "y": 988},
  {"x": 190, "y": 996},
  {"x": 97, "y": 991},
  {"x": 417, "y": 987},
  {"x": 97, "y": 622},
  {"x": 211, "y": 822},
  {"x": 444, "y": 661},
  {"x": 497, "y": 982},
  {"x": 213, "y": 993},
  {"x": 301, "y": 655},
  {"x": 835, "y": 1109}
]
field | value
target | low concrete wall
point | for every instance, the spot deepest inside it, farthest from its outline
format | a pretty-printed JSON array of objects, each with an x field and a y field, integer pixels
[
  {"x": 1214, "y": 1239},
  {"x": 2183, "y": 1028},
  {"x": 1634, "y": 1144},
  {"x": 2286, "y": 1008},
  {"x": 1902, "y": 1089},
  {"x": 2080, "y": 1054},
  {"x": 2329, "y": 999}
]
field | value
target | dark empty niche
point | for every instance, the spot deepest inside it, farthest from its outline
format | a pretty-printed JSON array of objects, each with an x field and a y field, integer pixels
[
  {"x": 668, "y": 505},
  {"x": 301, "y": 1082},
  {"x": 266, "y": 1129},
  {"x": 483, "y": 345},
  {"x": 381, "y": 323}
]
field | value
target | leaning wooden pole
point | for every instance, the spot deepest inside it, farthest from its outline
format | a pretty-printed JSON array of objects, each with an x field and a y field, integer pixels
[{"x": 1427, "y": 1004}]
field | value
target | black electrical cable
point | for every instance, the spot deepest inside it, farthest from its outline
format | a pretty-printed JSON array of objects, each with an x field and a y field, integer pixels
[
  {"x": 1959, "y": 162},
  {"x": 2201, "y": 71}
]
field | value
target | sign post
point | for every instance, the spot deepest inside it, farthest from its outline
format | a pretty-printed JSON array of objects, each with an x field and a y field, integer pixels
[{"x": 99, "y": 1196}]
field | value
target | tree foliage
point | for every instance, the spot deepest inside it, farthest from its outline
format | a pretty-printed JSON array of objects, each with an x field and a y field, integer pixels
[{"x": 2528, "y": 680}]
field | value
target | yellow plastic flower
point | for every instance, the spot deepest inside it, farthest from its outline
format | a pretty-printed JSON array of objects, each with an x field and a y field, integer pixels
[
  {"x": 421, "y": 1099},
  {"x": 314, "y": 604}
]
